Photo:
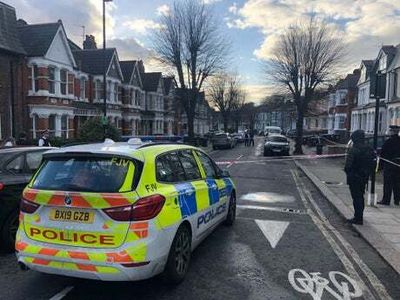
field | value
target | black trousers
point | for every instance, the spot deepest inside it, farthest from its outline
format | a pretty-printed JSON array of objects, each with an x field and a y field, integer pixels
[
  {"x": 391, "y": 184},
  {"x": 357, "y": 190}
]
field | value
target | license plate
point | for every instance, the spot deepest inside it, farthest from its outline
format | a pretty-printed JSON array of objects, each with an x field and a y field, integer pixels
[{"x": 71, "y": 215}]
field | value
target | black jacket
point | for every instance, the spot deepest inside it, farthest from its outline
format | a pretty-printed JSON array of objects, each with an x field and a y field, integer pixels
[
  {"x": 360, "y": 160},
  {"x": 391, "y": 151}
]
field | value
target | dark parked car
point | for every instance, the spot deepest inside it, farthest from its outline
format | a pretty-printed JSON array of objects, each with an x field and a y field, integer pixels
[
  {"x": 276, "y": 144},
  {"x": 223, "y": 140},
  {"x": 17, "y": 166}
]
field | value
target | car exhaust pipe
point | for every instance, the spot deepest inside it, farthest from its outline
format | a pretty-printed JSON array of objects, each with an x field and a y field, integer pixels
[{"x": 23, "y": 266}]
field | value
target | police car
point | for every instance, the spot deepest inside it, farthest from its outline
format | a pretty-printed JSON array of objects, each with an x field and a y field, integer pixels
[{"x": 121, "y": 211}]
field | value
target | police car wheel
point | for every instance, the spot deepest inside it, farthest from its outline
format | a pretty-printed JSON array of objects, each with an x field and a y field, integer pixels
[
  {"x": 230, "y": 218},
  {"x": 179, "y": 256}
]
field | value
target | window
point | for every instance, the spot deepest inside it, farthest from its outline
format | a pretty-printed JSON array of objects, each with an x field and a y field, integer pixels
[
  {"x": 63, "y": 81},
  {"x": 33, "y": 160},
  {"x": 16, "y": 165},
  {"x": 99, "y": 90},
  {"x": 64, "y": 126},
  {"x": 35, "y": 80},
  {"x": 86, "y": 174},
  {"x": 82, "y": 87},
  {"x": 395, "y": 78},
  {"x": 207, "y": 164},
  {"x": 189, "y": 165},
  {"x": 109, "y": 87},
  {"x": 52, "y": 123},
  {"x": 169, "y": 168},
  {"x": 52, "y": 80},
  {"x": 342, "y": 121}
]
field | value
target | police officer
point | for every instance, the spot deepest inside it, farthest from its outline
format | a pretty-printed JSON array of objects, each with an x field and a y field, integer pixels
[
  {"x": 391, "y": 173},
  {"x": 44, "y": 140},
  {"x": 360, "y": 163}
]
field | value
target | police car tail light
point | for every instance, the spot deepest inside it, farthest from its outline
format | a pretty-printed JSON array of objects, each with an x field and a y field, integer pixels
[
  {"x": 122, "y": 213},
  {"x": 144, "y": 209},
  {"x": 28, "y": 206},
  {"x": 147, "y": 208},
  {"x": 1, "y": 186}
]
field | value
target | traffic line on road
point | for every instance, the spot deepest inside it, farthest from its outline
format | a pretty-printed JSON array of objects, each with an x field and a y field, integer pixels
[
  {"x": 277, "y": 209},
  {"x": 62, "y": 294},
  {"x": 329, "y": 232},
  {"x": 272, "y": 230}
]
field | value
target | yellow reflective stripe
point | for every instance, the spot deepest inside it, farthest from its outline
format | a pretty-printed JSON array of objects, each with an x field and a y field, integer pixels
[
  {"x": 138, "y": 252},
  {"x": 199, "y": 164},
  {"x": 95, "y": 200},
  {"x": 127, "y": 186},
  {"x": 43, "y": 197},
  {"x": 202, "y": 195},
  {"x": 106, "y": 270}
]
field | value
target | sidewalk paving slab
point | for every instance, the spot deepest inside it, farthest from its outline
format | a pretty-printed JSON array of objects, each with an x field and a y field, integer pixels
[{"x": 381, "y": 227}]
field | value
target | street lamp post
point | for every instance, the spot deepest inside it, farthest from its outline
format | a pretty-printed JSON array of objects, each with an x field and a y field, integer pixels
[{"x": 104, "y": 69}]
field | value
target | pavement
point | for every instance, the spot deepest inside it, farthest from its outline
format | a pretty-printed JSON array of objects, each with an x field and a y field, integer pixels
[
  {"x": 381, "y": 223},
  {"x": 288, "y": 242}
]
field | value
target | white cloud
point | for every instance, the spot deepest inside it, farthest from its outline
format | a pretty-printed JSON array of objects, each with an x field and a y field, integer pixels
[
  {"x": 141, "y": 26},
  {"x": 163, "y": 10},
  {"x": 211, "y": 1},
  {"x": 256, "y": 92},
  {"x": 364, "y": 24}
]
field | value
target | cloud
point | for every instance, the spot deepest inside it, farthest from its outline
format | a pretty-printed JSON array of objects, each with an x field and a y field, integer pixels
[
  {"x": 141, "y": 26},
  {"x": 163, "y": 10},
  {"x": 211, "y": 1},
  {"x": 363, "y": 24},
  {"x": 256, "y": 92},
  {"x": 73, "y": 13}
]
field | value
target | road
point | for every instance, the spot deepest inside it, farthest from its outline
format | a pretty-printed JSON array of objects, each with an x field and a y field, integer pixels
[{"x": 287, "y": 243}]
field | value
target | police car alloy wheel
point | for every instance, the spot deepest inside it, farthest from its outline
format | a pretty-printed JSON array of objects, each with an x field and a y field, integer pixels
[
  {"x": 179, "y": 256},
  {"x": 230, "y": 218}
]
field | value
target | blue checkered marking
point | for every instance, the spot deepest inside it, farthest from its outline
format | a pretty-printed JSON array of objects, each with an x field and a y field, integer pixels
[
  {"x": 187, "y": 202},
  {"x": 213, "y": 193},
  {"x": 228, "y": 186}
]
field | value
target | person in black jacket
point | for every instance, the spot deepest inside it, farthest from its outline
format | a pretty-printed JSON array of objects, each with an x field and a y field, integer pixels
[
  {"x": 391, "y": 173},
  {"x": 360, "y": 162}
]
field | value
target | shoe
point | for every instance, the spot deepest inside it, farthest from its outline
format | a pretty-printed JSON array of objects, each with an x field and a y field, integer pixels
[
  {"x": 355, "y": 221},
  {"x": 382, "y": 203}
]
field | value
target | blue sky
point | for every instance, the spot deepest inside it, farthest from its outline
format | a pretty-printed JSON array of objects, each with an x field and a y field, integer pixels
[{"x": 252, "y": 25}]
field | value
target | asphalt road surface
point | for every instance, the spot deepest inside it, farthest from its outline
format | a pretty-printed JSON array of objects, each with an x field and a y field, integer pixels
[{"x": 287, "y": 243}]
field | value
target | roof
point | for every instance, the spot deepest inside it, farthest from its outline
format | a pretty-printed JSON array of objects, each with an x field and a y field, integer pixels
[
  {"x": 349, "y": 82},
  {"x": 389, "y": 49},
  {"x": 118, "y": 148},
  {"x": 9, "y": 38},
  {"x": 37, "y": 38},
  {"x": 73, "y": 46},
  {"x": 91, "y": 60},
  {"x": 127, "y": 68},
  {"x": 151, "y": 81},
  {"x": 168, "y": 83}
]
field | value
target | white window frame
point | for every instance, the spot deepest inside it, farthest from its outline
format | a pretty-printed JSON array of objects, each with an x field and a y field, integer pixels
[
  {"x": 52, "y": 81},
  {"x": 62, "y": 83},
  {"x": 82, "y": 88}
]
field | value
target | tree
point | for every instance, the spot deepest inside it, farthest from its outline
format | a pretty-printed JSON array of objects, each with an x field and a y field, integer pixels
[
  {"x": 249, "y": 113},
  {"x": 189, "y": 40},
  {"x": 226, "y": 95},
  {"x": 306, "y": 56},
  {"x": 93, "y": 131}
]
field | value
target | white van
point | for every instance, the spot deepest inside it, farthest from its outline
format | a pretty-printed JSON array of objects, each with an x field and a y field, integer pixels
[{"x": 272, "y": 130}]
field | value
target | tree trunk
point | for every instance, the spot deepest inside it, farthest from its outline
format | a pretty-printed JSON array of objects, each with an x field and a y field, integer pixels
[
  {"x": 190, "y": 119},
  {"x": 225, "y": 123},
  {"x": 298, "y": 149}
]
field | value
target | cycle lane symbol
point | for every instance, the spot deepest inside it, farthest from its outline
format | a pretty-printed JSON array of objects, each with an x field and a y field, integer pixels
[{"x": 344, "y": 287}]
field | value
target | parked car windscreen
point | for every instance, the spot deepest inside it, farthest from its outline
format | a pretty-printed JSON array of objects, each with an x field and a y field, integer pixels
[
  {"x": 85, "y": 174},
  {"x": 277, "y": 139}
]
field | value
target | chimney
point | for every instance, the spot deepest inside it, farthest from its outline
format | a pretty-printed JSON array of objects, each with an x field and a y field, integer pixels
[
  {"x": 89, "y": 42},
  {"x": 21, "y": 22},
  {"x": 141, "y": 66}
]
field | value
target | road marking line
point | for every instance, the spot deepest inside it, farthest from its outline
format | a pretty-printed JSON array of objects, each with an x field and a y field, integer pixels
[
  {"x": 334, "y": 245},
  {"x": 373, "y": 279},
  {"x": 62, "y": 294},
  {"x": 240, "y": 156},
  {"x": 278, "y": 209},
  {"x": 272, "y": 230}
]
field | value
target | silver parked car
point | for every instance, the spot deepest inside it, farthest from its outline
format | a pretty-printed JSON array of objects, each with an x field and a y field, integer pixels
[
  {"x": 276, "y": 144},
  {"x": 223, "y": 140}
]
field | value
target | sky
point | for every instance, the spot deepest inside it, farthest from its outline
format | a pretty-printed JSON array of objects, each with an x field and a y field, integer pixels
[{"x": 253, "y": 26}]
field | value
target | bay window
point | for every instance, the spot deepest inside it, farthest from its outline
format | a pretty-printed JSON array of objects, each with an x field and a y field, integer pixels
[
  {"x": 52, "y": 80},
  {"x": 82, "y": 88},
  {"x": 35, "y": 80},
  {"x": 63, "y": 81}
]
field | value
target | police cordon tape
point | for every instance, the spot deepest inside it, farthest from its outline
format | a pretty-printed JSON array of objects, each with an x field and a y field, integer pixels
[
  {"x": 280, "y": 158},
  {"x": 298, "y": 157}
]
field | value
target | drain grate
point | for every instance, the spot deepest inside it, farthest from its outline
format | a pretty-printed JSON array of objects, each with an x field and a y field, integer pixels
[{"x": 293, "y": 211}]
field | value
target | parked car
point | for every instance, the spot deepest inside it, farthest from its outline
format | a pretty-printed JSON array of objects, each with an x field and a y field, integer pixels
[
  {"x": 17, "y": 166},
  {"x": 223, "y": 140},
  {"x": 239, "y": 136},
  {"x": 276, "y": 144},
  {"x": 291, "y": 133},
  {"x": 272, "y": 130}
]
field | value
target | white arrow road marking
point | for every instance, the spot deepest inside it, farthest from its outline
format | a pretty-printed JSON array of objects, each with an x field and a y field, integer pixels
[
  {"x": 62, "y": 294},
  {"x": 272, "y": 230}
]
